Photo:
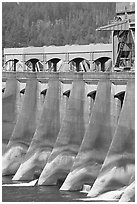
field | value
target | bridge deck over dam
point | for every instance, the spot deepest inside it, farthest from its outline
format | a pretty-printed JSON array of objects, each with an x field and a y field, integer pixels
[
  {"x": 65, "y": 53},
  {"x": 62, "y": 56}
]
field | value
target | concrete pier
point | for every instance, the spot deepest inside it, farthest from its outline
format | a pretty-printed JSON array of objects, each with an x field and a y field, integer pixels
[
  {"x": 45, "y": 135},
  {"x": 9, "y": 108},
  {"x": 68, "y": 115},
  {"x": 69, "y": 138},
  {"x": 73, "y": 126},
  {"x": 96, "y": 141},
  {"x": 119, "y": 165},
  {"x": 23, "y": 130}
]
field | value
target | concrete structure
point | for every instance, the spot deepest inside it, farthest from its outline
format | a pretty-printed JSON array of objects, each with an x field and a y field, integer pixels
[
  {"x": 86, "y": 131},
  {"x": 85, "y": 58},
  {"x": 123, "y": 36},
  {"x": 23, "y": 130},
  {"x": 69, "y": 138},
  {"x": 129, "y": 193},
  {"x": 82, "y": 86},
  {"x": 45, "y": 135},
  {"x": 9, "y": 108},
  {"x": 119, "y": 165},
  {"x": 96, "y": 141}
]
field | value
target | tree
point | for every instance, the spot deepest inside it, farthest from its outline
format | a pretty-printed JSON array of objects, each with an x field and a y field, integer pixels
[{"x": 58, "y": 23}]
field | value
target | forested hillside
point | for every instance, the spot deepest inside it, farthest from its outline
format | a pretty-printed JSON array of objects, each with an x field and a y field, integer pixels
[{"x": 54, "y": 23}]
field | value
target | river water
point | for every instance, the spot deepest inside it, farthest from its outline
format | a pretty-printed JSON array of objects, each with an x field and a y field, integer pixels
[{"x": 37, "y": 193}]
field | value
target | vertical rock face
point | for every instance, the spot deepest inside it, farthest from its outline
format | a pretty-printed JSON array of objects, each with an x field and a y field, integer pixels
[
  {"x": 9, "y": 108},
  {"x": 23, "y": 130},
  {"x": 69, "y": 137},
  {"x": 45, "y": 135},
  {"x": 119, "y": 165},
  {"x": 96, "y": 141}
]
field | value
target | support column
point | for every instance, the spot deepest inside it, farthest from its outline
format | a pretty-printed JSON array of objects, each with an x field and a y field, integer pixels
[
  {"x": 10, "y": 101},
  {"x": 96, "y": 141},
  {"x": 45, "y": 135},
  {"x": 119, "y": 166},
  {"x": 23, "y": 130},
  {"x": 69, "y": 138},
  {"x": 15, "y": 64}
]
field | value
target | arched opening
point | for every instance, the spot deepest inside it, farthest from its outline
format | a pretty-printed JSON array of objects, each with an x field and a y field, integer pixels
[
  {"x": 11, "y": 65},
  {"x": 52, "y": 64},
  {"x": 32, "y": 65},
  {"x": 15, "y": 65},
  {"x": 79, "y": 65},
  {"x": 100, "y": 63}
]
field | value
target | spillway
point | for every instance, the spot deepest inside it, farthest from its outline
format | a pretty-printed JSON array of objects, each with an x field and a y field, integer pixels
[
  {"x": 119, "y": 164},
  {"x": 69, "y": 138},
  {"x": 9, "y": 108},
  {"x": 96, "y": 141},
  {"x": 23, "y": 130},
  {"x": 78, "y": 133},
  {"x": 45, "y": 135}
]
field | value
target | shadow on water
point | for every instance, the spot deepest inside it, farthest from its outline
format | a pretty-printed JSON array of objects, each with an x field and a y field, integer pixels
[{"x": 37, "y": 193}]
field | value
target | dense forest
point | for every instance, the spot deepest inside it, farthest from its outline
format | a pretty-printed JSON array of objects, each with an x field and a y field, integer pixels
[{"x": 55, "y": 23}]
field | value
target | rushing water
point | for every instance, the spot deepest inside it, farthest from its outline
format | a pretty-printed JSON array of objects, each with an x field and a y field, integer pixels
[{"x": 37, "y": 193}]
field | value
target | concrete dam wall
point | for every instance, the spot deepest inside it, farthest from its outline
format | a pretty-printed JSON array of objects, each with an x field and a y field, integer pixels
[{"x": 71, "y": 129}]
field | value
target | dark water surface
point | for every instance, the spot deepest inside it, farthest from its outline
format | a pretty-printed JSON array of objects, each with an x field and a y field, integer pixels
[{"x": 37, "y": 193}]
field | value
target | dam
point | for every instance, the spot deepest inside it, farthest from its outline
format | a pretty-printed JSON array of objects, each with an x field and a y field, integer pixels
[{"x": 73, "y": 126}]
